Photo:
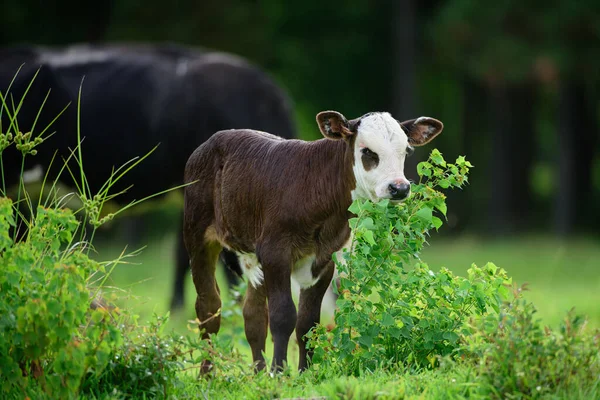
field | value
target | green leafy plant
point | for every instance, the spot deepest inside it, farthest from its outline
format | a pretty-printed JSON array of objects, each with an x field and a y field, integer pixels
[
  {"x": 516, "y": 356},
  {"x": 57, "y": 340},
  {"x": 48, "y": 330},
  {"x": 146, "y": 362},
  {"x": 394, "y": 311}
]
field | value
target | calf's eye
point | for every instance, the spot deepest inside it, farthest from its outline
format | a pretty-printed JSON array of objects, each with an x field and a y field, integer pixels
[
  {"x": 369, "y": 159},
  {"x": 368, "y": 152}
]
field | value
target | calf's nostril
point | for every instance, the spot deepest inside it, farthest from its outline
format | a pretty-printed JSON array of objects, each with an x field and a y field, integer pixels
[{"x": 399, "y": 191}]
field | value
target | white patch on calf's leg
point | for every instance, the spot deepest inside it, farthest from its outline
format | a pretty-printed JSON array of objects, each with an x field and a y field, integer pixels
[
  {"x": 252, "y": 269},
  {"x": 302, "y": 272}
]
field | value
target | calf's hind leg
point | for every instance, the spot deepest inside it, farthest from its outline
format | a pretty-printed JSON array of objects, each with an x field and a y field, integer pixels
[
  {"x": 208, "y": 301},
  {"x": 203, "y": 259}
]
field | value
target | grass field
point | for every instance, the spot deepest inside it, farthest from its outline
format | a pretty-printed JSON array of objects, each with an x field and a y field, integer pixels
[{"x": 560, "y": 275}]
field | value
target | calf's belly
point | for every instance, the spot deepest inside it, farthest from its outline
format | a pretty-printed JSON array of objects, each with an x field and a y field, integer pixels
[{"x": 301, "y": 271}]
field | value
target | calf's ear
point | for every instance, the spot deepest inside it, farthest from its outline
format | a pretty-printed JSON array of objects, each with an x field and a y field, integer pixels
[
  {"x": 334, "y": 125},
  {"x": 422, "y": 130}
]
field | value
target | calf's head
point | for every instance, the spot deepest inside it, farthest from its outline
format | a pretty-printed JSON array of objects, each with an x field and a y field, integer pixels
[{"x": 380, "y": 145}]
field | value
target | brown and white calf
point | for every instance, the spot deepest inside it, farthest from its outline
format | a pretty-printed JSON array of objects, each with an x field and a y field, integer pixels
[{"x": 282, "y": 205}]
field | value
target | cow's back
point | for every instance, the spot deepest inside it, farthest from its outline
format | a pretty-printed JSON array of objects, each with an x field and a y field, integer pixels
[
  {"x": 123, "y": 104},
  {"x": 253, "y": 183}
]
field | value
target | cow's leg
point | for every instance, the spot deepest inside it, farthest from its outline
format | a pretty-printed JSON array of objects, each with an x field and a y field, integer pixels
[
  {"x": 208, "y": 300},
  {"x": 309, "y": 311},
  {"x": 277, "y": 266},
  {"x": 256, "y": 321},
  {"x": 182, "y": 266},
  {"x": 203, "y": 260}
]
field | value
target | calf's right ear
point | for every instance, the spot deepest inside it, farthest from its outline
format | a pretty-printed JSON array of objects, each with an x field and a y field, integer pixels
[
  {"x": 334, "y": 125},
  {"x": 422, "y": 130}
]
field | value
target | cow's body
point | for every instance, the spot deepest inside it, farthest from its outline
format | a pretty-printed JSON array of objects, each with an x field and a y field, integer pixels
[
  {"x": 135, "y": 97},
  {"x": 282, "y": 206}
]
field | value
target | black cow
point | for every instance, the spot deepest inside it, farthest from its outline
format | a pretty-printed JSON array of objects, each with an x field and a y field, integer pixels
[
  {"x": 137, "y": 96},
  {"x": 35, "y": 80}
]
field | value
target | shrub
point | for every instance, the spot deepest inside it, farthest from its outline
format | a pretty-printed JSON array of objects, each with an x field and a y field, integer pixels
[
  {"x": 48, "y": 330},
  {"x": 146, "y": 363},
  {"x": 516, "y": 356},
  {"x": 56, "y": 339},
  {"x": 393, "y": 310}
]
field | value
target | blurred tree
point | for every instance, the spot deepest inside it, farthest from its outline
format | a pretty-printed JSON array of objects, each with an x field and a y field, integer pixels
[
  {"x": 514, "y": 81},
  {"x": 53, "y": 22},
  {"x": 577, "y": 146},
  {"x": 511, "y": 45}
]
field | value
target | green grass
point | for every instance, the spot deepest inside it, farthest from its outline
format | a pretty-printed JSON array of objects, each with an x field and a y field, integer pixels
[
  {"x": 560, "y": 274},
  {"x": 456, "y": 383}
]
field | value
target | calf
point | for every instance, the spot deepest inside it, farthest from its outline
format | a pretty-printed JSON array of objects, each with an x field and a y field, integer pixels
[{"x": 282, "y": 206}]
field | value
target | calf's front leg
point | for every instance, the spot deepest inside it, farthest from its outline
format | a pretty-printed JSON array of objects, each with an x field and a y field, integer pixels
[
  {"x": 277, "y": 267},
  {"x": 309, "y": 311},
  {"x": 256, "y": 323}
]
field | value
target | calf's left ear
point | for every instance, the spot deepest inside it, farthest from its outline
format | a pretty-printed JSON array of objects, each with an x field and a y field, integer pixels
[
  {"x": 422, "y": 130},
  {"x": 334, "y": 125}
]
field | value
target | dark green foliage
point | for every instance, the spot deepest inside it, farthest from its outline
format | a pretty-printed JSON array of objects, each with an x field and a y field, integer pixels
[
  {"x": 58, "y": 339},
  {"x": 50, "y": 337},
  {"x": 393, "y": 313},
  {"x": 515, "y": 40},
  {"x": 146, "y": 363},
  {"x": 517, "y": 357}
]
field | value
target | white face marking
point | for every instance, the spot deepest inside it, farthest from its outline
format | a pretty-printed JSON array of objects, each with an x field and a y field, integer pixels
[
  {"x": 302, "y": 272},
  {"x": 382, "y": 134},
  {"x": 251, "y": 268}
]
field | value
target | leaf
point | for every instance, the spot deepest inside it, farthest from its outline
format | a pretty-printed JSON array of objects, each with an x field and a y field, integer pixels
[
  {"x": 452, "y": 337},
  {"x": 425, "y": 213},
  {"x": 424, "y": 168},
  {"x": 436, "y": 222},
  {"x": 367, "y": 223},
  {"x": 444, "y": 183},
  {"x": 368, "y": 235},
  {"x": 97, "y": 316},
  {"x": 54, "y": 307},
  {"x": 442, "y": 207},
  {"x": 437, "y": 158},
  {"x": 366, "y": 341},
  {"x": 355, "y": 207},
  {"x": 383, "y": 204},
  {"x": 503, "y": 292}
]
